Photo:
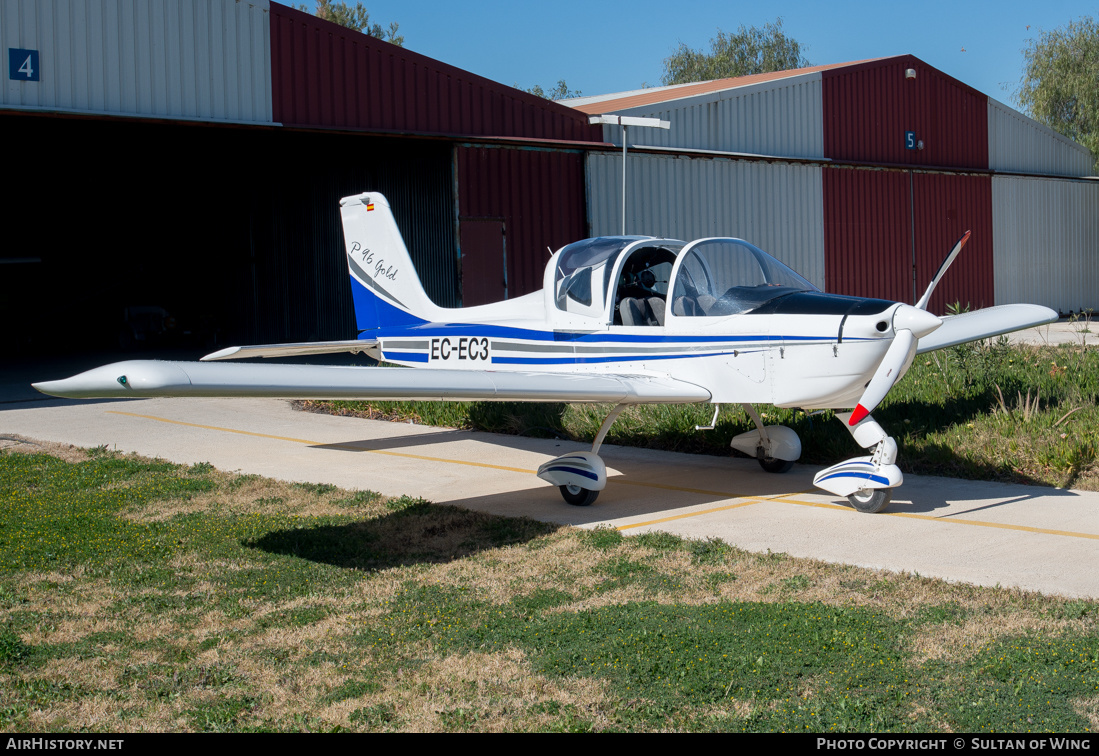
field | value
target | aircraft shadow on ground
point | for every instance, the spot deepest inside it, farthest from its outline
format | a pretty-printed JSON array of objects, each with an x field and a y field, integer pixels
[
  {"x": 421, "y": 533},
  {"x": 424, "y": 533},
  {"x": 448, "y": 435},
  {"x": 650, "y": 483},
  {"x": 18, "y": 401}
]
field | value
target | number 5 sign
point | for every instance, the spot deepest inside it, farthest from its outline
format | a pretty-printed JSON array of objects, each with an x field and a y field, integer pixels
[{"x": 22, "y": 64}]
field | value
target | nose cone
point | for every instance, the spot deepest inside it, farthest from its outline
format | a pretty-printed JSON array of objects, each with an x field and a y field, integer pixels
[{"x": 919, "y": 322}]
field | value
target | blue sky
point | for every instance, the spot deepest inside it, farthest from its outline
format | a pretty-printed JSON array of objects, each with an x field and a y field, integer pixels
[{"x": 600, "y": 46}]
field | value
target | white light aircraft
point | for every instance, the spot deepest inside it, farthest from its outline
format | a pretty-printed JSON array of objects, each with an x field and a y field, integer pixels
[{"x": 623, "y": 320}]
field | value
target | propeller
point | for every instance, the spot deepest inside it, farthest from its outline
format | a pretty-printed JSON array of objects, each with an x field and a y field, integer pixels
[
  {"x": 922, "y": 304},
  {"x": 910, "y": 324}
]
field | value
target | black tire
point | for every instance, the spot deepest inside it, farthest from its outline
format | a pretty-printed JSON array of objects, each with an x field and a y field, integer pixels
[
  {"x": 871, "y": 500},
  {"x": 776, "y": 465},
  {"x": 577, "y": 496}
]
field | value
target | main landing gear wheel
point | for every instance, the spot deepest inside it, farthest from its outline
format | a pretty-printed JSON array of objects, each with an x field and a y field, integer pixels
[
  {"x": 577, "y": 496},
  {"x": 775, "y": 465},
  {"x": 871, "y": 500}
]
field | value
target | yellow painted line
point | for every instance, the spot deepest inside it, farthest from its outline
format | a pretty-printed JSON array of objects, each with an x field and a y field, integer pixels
[
  {"x": 1000, "y": 525},
  {"x": 749, "y": 500},
  {"x": 746, "y": 503},
  {"x": 307, "y": 442},
  {"x": 209, "y": 427},
  {"x": 684, "y": 489},
  {"x": 745, "y": 500}
]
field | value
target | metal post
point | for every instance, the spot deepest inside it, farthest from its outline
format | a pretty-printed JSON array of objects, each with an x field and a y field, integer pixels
[
  {"x": 625, "y": 122},
  {"x": 625, "y": 132}
]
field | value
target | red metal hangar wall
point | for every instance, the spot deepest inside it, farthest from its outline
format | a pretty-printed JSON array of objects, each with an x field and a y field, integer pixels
[
  {"x": 901, "y": 115},
  {"x": 516, "y": 160}
]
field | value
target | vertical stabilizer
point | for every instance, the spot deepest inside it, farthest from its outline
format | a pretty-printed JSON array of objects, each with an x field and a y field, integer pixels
[{"x": 384, "y": 284}]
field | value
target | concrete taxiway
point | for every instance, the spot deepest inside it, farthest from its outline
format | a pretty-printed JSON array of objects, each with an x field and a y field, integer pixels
[{"x": 1033, "y": 538}]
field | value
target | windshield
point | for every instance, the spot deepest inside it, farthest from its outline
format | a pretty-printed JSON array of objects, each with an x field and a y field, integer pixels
[
  {"x": 577, "y": 263},
  {"x": 728, "y": 276}
]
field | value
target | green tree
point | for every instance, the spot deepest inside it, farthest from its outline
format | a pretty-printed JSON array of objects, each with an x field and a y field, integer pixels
[
  {"x": 560, "y": 92},
  {"x": 357, "y": 18},
  {"x": 1060, "y": 84},
  {"x": 748, "y": 51}
]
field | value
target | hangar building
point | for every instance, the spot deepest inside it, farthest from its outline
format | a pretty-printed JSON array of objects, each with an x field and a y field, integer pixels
[
  {"x": 186, "y": 157},
  {"x": 861, "y": 176}
]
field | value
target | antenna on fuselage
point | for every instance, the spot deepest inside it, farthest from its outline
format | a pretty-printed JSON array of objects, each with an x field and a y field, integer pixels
[{"x": 625, "y": 122}]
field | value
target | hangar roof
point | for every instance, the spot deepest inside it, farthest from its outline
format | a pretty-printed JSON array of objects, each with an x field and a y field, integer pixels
[
  {"x": 639, "y": 97},
  {"x": 895, "y": 110}
]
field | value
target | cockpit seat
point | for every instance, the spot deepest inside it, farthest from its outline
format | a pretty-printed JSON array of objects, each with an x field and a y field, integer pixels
[
  {"x": 631, "y": 312},
  {"x": 641, "y": 312},
  {"x": 656, "y": 307}
]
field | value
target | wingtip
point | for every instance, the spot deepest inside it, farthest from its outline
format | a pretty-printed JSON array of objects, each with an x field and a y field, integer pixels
[{"x": 220, "y": 354}]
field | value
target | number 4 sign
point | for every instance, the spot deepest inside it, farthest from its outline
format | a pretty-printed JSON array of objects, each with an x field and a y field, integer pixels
[{"x": 22, "y": 64}]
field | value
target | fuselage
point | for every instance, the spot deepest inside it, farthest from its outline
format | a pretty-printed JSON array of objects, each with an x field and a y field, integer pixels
[{"x": 782, "y": 359}]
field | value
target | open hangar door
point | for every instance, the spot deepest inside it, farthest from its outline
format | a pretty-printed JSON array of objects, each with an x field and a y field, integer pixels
[{"x": 233, "y": 232}]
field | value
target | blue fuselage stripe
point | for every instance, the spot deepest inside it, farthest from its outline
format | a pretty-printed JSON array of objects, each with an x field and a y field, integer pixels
[
  {"x": 582, "y": 360},
  {"x": 406, "y": 356},
  {"x": 452, "y": 330}
]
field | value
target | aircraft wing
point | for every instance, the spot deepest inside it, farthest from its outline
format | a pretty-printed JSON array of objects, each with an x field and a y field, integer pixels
[
  {"x": 291, "y": 350},
  {"x": 982, "y": 324},
  {"x": 147, "y": 378}
]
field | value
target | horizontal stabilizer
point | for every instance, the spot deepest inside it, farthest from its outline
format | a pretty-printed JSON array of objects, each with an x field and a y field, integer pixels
[
  {"x": 983, "y": 324},
  {"x": 146, "y": 378},
  {"x": 290, "y": 350}
]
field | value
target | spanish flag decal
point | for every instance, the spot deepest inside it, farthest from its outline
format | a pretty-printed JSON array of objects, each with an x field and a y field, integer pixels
[{"x": 369, "y": 207}]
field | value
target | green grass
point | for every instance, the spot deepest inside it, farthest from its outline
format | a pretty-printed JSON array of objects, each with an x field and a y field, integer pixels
[
  {"x": 140, "y": 595},
  {"x": 985, "y": 411}
]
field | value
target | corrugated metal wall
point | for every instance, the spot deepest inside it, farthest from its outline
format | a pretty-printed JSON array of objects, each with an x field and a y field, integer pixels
[
  {"x": 1047, "y": 242},
  {"x": 539, "y": 194},
  {"x": 868, "y": 233},
  {"x": 887, "y": 231},
  {"x": 869, "y": 107},
  {"x": 774, "y": 118},
  {"x": 776, "y": 206},
  {"x": 946, "y": 206},
  {"x": 326, "y": 75},
  {"x": 207, "y": 59},
  {"x": 1017, "y": 143}
]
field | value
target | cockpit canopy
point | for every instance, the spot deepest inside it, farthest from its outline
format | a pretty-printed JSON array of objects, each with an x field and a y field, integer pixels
[
  {"x": 583, "y": 273},
  {"x": 593, "y": 276},
  {"x": 720, "y": 277},
  {"x": 626, "y": 280}
]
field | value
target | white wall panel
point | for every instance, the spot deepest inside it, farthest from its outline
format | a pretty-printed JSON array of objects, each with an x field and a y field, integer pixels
[
  {"x": 773, "y": 118},
  {"x": 1018, "y": 143},
  {"x": 776, "y": 206},
  {"x": 1046, "y": 242},
  {"x": 206, "y": 59}
]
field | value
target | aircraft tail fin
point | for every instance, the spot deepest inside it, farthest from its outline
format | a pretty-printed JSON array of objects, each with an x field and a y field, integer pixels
[{"x": 384, "y": 285}]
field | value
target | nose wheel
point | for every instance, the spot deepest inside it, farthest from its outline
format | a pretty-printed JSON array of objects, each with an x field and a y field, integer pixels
[
  {"x": 871, "y": 500},
  {"x": 577, "y": 496}
]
